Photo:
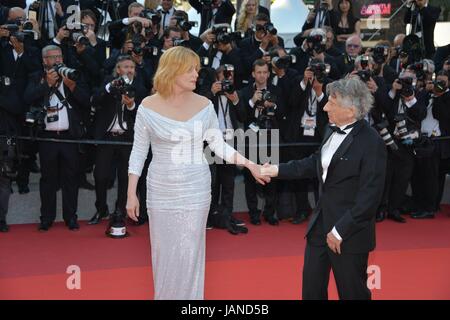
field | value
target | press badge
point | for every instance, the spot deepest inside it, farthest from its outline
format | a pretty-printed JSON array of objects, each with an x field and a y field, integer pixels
[
  {"x": 228, "y": 134},
  {"x": 254, "y": 127},
  {"x": 52, "y": 114},
  {"x": 309, "y": 127}
]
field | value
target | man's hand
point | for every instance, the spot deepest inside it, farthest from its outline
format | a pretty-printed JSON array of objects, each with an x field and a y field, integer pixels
[
  {"x": 429, "y": 86},
  {"x": 58, "y": 9},
  {"x": 257, "y": 96},
  {"x": 317, "y": 87},
  {"x": 269, "y": 170},
  {"x": 308, "y": 76},
  {"x": 266, "y": 58},
  {"x": 70, "y": 84},
  {"x": 92, "y": 37},
  {"x": 372, "y": 85},
  {"x": 333, "y": 243},
  {"x": 51, "y": 77},
  {"x": 268, "y": 104},
  {"x": 311, "y": 16},
  {"x": 396, "y": 85},
  {"x": 273, "y": 39},
  {"x": 79, "y": 48},
  {"x": 4, "y": 33},
  {"x": 17, "y": 45},
  {"x": 265, "y": 42},
  {"x": 216, "y": 87},
  {"x": 233, "y": 97},
  {"x": 256, "y": 172},
  {"x": 129, "y": 102}
]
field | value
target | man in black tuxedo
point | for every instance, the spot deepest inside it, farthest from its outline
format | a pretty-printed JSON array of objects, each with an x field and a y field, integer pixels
[
  {"x": 423, "y": 18},
  {"x": 213, "y": 12},
  {"x": 116, "y": 104},
  {"x": 62, "y": 100},
  {"x": 350, "y": 165}
]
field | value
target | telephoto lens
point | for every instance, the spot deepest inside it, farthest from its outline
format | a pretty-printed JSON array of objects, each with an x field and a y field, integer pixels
[
  {"x": 69, "y": 73},
  {"x": 384, "y": 133}
]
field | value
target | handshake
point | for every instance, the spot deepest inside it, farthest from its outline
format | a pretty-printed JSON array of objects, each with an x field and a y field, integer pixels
[{"x": 263, "y": 173}]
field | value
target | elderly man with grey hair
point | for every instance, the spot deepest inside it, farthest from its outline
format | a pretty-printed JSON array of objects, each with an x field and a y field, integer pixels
[{"x": 350, "y": 165}]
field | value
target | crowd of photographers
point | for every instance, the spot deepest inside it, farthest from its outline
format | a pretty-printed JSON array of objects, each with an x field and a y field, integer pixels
[{"x": 60, "y": 79}]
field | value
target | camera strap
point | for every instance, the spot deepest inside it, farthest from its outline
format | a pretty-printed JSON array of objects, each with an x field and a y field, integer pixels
[
  {"x": 224, "y": 111},
  {"x": 61, "y": 99}
]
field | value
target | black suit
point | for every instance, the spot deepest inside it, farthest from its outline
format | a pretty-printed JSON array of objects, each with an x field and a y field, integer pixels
[
  {"x": 348, "y": 200},
  {"x": 109, "y": 109},
  {"x": 429, "y": 15},
  {"x": 59, "y": 161},
  {"x": 224, "y": 13}
]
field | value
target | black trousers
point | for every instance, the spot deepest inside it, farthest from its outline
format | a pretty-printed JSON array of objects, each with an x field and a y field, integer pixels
[
  {"x": 444, "y": 169},
  {"x": 222, "y": 188},
  {"x": 251, "y": 191},
  {"x": 5, "y": 192},
  {"x": 142, "y": 188},
  {"x": 28, "y": 151},
  {"x": 402, "y": 169},
  {"x": 59, "y": 166},
  {"x": 425, "y": 182},
  {"x": 105, "y": 156},
  {"x": 349, "y": 270}
]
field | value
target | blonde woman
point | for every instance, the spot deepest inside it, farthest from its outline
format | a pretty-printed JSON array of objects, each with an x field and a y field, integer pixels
[
  {"x": 247, "y": 13},
  {"x": 176, "y": 121},
  {"x": 152, "y": 4}
]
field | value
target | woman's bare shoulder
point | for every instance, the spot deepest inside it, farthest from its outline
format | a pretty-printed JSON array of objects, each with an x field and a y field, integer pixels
[
  {"x": 150, "y": 101},
  {"x": 200, "y": 100}
]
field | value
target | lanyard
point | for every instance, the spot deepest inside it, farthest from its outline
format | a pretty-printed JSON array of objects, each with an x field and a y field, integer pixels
[{"x": 224, "y": 112}]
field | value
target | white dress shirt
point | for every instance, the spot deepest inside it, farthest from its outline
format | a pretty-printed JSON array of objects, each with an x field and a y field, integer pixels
[
  {"x": 430, "y": 125},
  {"x": 63, "y": 119},
  {"x": 224, "y": 122},
  {"x": 328, "y": 150},
  {"x": 115, "y": 126}
]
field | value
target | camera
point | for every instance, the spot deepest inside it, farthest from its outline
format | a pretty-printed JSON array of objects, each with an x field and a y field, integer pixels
[
  {"x": 207, "y": 3},
  {"x": 320, "y": 70},
  {"x": 185, "y": 25},
  {"x": 227, "y": 86},
  {"x": 439, "y": 85},
  {"x": 267, "y": 28},
  {"x": 316, "y": 43},
  {"x": 63, "y": 71},
  {"x": 224, "y": 34},
  {"x": 14, "y": 30},
  {"x": 35, "y": 117},
  {"x": 180, "y": 42},
  {"x": 154, "y": 16},
  {"x": 8, "y": 159},
  {"x": 365, "y": 75},
  {"x": 77, "y": 33},
  {"x": 380, "y": 54},
  {"x": 284, "y": 62},
  {"x": 382, "y": 128},
  {"x": 5, "y": 81},
  {"x": 408, "y": 85},
  {"x": 323, "y": 5},
  {"x": 407, "y": 137},
  {"x": 420, "y": 69},
  {"x": 123, "y": 85}
]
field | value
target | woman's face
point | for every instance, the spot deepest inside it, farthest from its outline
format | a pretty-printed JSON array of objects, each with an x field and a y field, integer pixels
[
  {"x": 344, "y": 6},
  {"x": 187, "y": 81},
  {"x": 250, "y": 7}
]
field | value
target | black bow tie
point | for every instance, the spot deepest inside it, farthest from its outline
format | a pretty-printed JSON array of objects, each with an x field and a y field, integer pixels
[{"x": 339, "y": 130}]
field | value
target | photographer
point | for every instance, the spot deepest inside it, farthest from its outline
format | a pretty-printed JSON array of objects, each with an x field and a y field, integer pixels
[
  {"x": 305, "y": 123},
  {"x": 116, "y": 104},
  {"x": 180, "y": 20},
  {"x": 407, "y": 111},
  {"x": 346, "y": 61},
  {"x": 322, "y": 15},
  {"x": 381, "y": 55},
  {"x": 213, "y": 12},
  {"x": 425, "y": 180},
  {"x": 229, "y": 110},
  {"x": 219, "y": 49},
  {"x": 258, "y": 45},
  {"x": 313, "y": 47},
  {"x": 395, "y": 61},
  {"x": 167, "y": 11},
  {"x": 58, "y": 100},
  {"x": 282, "y": 74},
  {"x": 263, "y": 105},
  {"x": 423, "y": 18}
]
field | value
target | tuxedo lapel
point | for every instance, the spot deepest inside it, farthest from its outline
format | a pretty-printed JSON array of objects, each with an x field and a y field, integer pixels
[{"x": 328, "y": 133}]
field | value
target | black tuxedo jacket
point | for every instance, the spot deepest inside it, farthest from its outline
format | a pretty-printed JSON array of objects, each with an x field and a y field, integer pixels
[
  {"x": 441, "y": 112},
  {"x": 352, "y": 191},
  {"x": 108, "y": 105},
  {"x": 224, "y": 13}
]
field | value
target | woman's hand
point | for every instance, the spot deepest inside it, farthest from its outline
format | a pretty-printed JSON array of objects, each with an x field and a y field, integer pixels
[{"x": 133, "y": 207}]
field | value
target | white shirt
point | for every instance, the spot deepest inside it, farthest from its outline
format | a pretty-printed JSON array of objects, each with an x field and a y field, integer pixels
[
  {"x": 63, "y": 118},
  {"x": 217, "y": 58},
  {"x": 16, "y": 55},
  {"x": 224, "y": 122},
  {"x": 50, "y": 23},
  {"x": 115, "y": 126},
  {"x": 312, "y": 106},
  {"x": 430, "y": 125},
  {"x": 165, "y": 17},
  {"x": 328, "y": 150}
]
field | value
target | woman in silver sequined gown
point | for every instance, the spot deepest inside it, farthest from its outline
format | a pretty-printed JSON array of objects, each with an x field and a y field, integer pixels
[{"x": 178, "y": 194}]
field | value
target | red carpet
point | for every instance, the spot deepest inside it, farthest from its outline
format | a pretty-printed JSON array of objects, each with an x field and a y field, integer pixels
[{"x": 414, "y": 261}]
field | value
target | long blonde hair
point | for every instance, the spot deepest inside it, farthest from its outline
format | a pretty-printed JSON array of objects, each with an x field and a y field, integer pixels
[
  {"x": 174, "y": 62},
  {"x": 152, "y": 4},
  {"x": 242, "y": 18}
]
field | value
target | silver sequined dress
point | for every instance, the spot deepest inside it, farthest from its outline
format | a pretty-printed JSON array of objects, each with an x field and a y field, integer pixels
[{"x": 178, "y": 195}]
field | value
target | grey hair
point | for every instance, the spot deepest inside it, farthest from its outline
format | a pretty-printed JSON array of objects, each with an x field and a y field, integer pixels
[
  {"x": 318, "y": 31},
  {"x": 352, "y": 92},
  {"x": 353, "y": 37},
  {"x": 48, "y": 48},
  {"x": 429, "y": 65}
]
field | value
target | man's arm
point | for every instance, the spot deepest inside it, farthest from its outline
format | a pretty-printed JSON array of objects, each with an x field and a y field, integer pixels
[
  {"x": 370, "y": 191},
  {"x": 299, "y": 169}
]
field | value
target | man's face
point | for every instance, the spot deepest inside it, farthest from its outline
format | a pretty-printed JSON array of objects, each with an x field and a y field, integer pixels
[
  {"x": 353, "y": 47},
  {"x": 89, "y": 23},
  {"x": 168, "y": 43},
  {"x": 337, "y": 113},
  {"x": 17, "y": 14},
  {"x": 443, "y": 78},
  {"x": 126, "y": 67},
  {"x": 135, "y": 12},
  {"x": 330, "y": 38},
  {"x": 260, "y": 33},
  {"x": 261, "y": 74},
  {"x": 166, "y": 4},
  {"x": 421, "y": 3},
  {"x": 52, "y": 58}
]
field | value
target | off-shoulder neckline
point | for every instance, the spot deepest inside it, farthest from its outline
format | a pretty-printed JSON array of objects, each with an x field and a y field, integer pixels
[{"x": 168, "y": 118}]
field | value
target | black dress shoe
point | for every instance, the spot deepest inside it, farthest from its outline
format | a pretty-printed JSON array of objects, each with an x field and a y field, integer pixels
[
  {"x": 86, "y": 185},
  {"x": 272, "y": 221},
  {"x": 423, "y": 215},
  {"x": 44, "y": 226},
  {"x": 297, "y": 220},
  {"x": 73, "y": 225},
  {"x": 98, "y": 216},
  {"x": 255, "y": 220},
  {"x": 381, "y": 216},
  {"x": 237, "y": 222},
  {"x": 3, "y": 226},
  {"x": 396, "y": 217},
  {"x": 24, "y": 190}
]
